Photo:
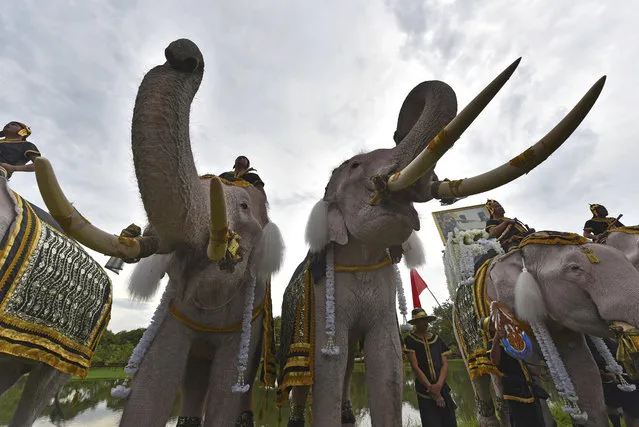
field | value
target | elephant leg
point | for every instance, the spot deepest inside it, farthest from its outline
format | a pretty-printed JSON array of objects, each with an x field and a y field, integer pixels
[
  {"x": 585, "y": 376},
  {"x": 11, "y": 373},
  {"x": 42, "y": 384},
  {"x": 224, "y": 407},
  {"x": 297, "y": 401},
  {"x": 348, "y": 417},
  {"x": 155, "y": 385},
  {"x": 484, "y": 402},
  {"x": 549, "y": 421},
  {"x": 329, "y": 373},
  {"x": 500, "y": 402},
  {"x": 194, "y": 389},
  {"x": 384, "y": 373}
]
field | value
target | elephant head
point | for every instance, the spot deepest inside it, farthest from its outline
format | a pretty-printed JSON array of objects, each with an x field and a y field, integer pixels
[
  {"x": 219, "y": 231},
  {"x": 583, "y": 287},
  {"x": 369, "y": 198}
]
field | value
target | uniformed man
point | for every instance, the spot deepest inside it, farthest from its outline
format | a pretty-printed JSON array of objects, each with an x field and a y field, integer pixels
[
  {"x": 15, "y": 150},
  {"x": 509, "y": 232},
  {"x": 597, "y": 226},
  {"x": 242, "y": 171}
]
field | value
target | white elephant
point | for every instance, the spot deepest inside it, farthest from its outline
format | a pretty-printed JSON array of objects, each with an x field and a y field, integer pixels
[
  {"x": 367, "y": 208},
  {"x": 223, "y": 249},
  {"x": 55, "y": 302}
]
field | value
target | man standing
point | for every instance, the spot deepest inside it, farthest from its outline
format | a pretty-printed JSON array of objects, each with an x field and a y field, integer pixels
[
  {"x": 15, "y": 150},
  {"x": 427, "y": 355},
  {"x": 597, "y": 226}
]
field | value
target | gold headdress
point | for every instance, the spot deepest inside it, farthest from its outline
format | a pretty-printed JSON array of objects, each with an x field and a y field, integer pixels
[
  {"x": 594, "y": 208},
  {"x": 490, "y": 206}
]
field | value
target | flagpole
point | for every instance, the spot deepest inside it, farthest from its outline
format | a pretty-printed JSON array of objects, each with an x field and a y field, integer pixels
[{"x": 440, "y": 306}]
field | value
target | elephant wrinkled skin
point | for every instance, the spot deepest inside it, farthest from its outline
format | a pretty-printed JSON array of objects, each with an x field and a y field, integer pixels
[
  {"x": 197, "y": 221},
  {"x": 368, "y": 207}
]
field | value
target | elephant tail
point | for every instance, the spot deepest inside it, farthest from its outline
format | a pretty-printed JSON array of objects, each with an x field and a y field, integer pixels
[{"x": 146, "y": 276}]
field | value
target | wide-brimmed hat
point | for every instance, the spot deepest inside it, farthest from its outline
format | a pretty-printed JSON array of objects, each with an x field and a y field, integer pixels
[{"x": 420, "y": 313}]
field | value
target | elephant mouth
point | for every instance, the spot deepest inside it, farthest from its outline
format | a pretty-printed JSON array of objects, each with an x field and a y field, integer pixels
[{"x": 403, "y": 210}]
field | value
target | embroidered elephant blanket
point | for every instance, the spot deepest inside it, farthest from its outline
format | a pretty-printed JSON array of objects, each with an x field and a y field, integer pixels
[
  {"x": 297, "y": 338},
  {"x": 55, "y": 300}
]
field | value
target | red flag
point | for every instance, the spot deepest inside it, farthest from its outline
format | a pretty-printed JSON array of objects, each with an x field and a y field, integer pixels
[{"x": 417, "y": 285}]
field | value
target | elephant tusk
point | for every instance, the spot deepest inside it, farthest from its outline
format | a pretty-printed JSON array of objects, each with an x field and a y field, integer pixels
[
  {"x": 526, "y": 161},
  {"x": 445, "y": 139},
  {"x": 76, "y": 226},
  {"x": 219, "y": 233},
  {"x": 621, "y": 326}
]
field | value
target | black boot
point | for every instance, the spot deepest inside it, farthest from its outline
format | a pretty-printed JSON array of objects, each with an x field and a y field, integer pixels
[{"x": 189, "y": 422}]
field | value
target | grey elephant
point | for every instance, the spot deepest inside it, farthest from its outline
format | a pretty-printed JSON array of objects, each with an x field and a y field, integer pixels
[
  {"x": 220, "y": 245},
  {"x": 564, "y": 288},
  {"x": 55, "y": 303},
  {"x": 626, "y": 239},
  {"x": 345, "y": 290}
]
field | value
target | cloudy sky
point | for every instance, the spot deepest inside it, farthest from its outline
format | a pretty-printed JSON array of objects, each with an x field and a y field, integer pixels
[{"x": 299, "y": 87}]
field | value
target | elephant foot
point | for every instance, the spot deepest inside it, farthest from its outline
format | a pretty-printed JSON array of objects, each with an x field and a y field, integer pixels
[
  {"x": 189, "y": 422},
  {"x": 296, "y": 418},
  {"x": 245, "y": 419},
  {"x": 348, "y": 417},
  {"x": 486, "y": 413}
]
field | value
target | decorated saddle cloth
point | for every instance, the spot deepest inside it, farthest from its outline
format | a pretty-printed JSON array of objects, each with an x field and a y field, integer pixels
[
  {"x": 55, "y": 300},
  {"x": 472, "y": 305},
  {"x": 297, "y": 338}
]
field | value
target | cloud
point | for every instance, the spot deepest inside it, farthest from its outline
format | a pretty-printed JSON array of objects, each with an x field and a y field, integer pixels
[{"x": 299, "y": 87}]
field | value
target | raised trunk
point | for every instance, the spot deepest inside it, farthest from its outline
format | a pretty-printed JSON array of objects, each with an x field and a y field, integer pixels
[{"x": 173, "y": 197}]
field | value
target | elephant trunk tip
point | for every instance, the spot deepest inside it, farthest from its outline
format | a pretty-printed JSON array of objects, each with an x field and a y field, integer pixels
[{"x": 184, "y": 55}]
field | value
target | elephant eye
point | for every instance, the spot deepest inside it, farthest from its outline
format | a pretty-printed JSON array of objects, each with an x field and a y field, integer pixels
[
  {"x": 574, "y": 267},
  {"x": 355, "y": 165},
  {"x": 244, "y": 205}
]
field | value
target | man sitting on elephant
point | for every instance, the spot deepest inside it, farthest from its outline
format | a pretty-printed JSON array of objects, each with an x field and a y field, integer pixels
[
  {"x": 596, "y": 228},
  {"x": 242, "y": 172},
  {"x": 509, "y": 232},
  {"x": 15, "y": 150}
]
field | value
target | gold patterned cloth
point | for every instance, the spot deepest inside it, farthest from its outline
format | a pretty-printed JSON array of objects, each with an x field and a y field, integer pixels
[
  {"x": 55, "y": 300},
  {"x": 471, "y": 306},
  {"x": 297, "y": 338},
  {"x": 628, "y": 230}
]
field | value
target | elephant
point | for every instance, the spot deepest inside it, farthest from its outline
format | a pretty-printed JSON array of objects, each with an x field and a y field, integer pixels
[
  {"x": 572, "y": 288},
  {"x": 220, "y": 246},
  {"x": 626, "y": 239},
  {"x": 367, "y": 207},
  {"x": 45, "y": 274}
]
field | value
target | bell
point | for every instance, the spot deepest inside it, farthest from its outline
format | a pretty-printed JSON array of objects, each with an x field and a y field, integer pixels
[{"x": 114, "y": 264}]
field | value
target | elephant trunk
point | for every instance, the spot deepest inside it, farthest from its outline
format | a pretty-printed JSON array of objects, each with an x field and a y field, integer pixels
[
  {"x": 219, "y": 232},
  {"x": 171, "y": 191}
]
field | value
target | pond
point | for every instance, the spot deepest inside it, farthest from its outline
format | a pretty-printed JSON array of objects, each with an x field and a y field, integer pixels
[{"x": 88, "y": 403}]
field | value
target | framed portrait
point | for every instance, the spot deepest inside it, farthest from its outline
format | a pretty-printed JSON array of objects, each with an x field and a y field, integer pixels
[{"x": 466, "y": 218}]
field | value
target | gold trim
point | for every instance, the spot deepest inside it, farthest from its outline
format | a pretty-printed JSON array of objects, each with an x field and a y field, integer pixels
[{"x": 180, "y": 317}]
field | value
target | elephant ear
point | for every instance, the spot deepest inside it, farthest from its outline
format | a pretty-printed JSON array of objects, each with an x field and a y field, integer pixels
[
  {"x": 269, "y": 252},
  {"x": 325, "y": 224}
]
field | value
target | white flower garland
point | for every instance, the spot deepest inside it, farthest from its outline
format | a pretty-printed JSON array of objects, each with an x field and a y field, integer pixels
[
  {"x": 330, "y": 349},
  {"x": 560, "y": 376},
  {"x": 612, "y": 365},
  {"x": 462, "y": 247},
  {"x": 401, "y": 299},
  {"x": 245, "y": 339},
  {"x": 122, "y": 391}
]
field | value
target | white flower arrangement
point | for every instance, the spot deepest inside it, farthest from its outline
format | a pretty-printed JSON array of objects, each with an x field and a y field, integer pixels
[
  {"x": 330, "y": 349},
  {"x": 612, "y": 365},
  {"x": 560, "y": 376},
  {"x": 462, "y": 247},
  {"x": 245, "y": 339},
  {"x": 401, "y": 299}
]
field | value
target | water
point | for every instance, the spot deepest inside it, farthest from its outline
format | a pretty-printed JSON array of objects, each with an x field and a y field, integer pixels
[{"x": 88, "y": 403}]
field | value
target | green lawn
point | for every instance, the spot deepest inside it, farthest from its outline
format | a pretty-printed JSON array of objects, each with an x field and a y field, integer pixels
[{"x": 103, "y": 374}]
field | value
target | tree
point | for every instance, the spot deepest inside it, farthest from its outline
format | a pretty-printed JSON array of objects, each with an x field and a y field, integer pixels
[{"x": 443, "y": 325}]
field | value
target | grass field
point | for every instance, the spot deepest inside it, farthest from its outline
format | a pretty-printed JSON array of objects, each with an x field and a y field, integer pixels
[{"x": 103, "y": 374}]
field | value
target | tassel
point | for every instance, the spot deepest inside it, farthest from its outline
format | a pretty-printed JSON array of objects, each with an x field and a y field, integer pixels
[
  {"x": 330, "y": 349},
  {"x": 529, "y": 303}
]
